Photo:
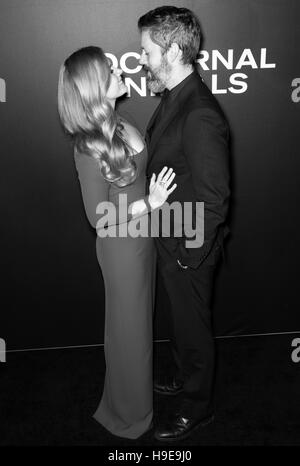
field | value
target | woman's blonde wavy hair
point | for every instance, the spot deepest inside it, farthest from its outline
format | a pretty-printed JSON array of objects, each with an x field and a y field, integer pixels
[{"x": 89, "y": 118}]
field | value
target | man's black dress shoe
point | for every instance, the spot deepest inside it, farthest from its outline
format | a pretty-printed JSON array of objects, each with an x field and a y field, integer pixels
[
  {"x": 180, "y": 428},
  {"x": 170, "y": 387}
]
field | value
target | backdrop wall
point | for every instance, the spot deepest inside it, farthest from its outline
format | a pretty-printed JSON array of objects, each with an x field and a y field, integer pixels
[{"x": 52, "y": 289}]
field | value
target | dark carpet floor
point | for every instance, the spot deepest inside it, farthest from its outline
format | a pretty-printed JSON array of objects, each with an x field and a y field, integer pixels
[{"x": 48, "y": 397}]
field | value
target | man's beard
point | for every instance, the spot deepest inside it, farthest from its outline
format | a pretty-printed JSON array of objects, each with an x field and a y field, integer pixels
[{"x": 157, "y": 77}]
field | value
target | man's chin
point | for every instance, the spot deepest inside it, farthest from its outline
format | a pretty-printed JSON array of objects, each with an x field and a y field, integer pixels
[{"x": 155, "y": 87}]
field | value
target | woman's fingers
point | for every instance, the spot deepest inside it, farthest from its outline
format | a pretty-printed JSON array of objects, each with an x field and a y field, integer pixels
[
  {"x": 164, "y": 180},
  {"x": 167, "y": 175},
  {"x": 172, "y": 189},
  {"x": 169, "y": 181},
  {"x": 152, "y": 181},
  {"x": 161, "y": 173}
]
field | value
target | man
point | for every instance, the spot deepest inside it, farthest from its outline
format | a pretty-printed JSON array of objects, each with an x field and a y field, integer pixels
[{"x": 187, "y": 132}]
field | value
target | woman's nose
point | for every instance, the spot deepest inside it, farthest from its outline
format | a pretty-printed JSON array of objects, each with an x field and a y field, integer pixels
[
  {"x": 142, "y": 60},
  {"x": 119, "y": 71}
]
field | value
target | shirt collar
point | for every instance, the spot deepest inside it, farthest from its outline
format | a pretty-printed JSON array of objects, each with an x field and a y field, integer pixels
[{"x": 173, "y": 93}]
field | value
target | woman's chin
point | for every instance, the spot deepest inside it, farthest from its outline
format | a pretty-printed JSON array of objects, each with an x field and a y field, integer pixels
[{"x": 123, "y": 90}]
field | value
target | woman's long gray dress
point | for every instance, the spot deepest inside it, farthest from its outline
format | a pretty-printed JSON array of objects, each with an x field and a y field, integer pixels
[{"x": 128, "y": 269}]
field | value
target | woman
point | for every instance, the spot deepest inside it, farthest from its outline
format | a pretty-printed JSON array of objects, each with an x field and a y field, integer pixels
[{"x": 110, "y": 157}]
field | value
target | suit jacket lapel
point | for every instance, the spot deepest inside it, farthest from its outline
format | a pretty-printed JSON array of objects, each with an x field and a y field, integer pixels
[
  {"x": 171, "y": 113},
  {"x": 163, "y": 124},
  {"x": 150, "y": 124}
]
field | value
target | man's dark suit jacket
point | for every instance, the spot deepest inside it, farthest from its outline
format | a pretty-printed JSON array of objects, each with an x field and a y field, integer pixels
[{"x": 192, "y": 137}]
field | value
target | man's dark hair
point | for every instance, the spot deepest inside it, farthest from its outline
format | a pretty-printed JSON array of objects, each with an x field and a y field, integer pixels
[{"x": 168, "y": 24}]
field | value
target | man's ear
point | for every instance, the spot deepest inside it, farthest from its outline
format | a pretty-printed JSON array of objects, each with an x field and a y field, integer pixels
[{"x": 174, "y": 52}]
